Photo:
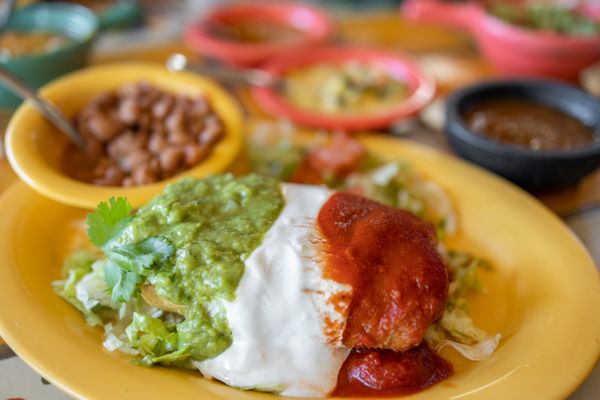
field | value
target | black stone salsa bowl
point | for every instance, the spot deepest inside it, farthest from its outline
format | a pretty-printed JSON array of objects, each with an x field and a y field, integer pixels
[{"x": 531, "y": 169}]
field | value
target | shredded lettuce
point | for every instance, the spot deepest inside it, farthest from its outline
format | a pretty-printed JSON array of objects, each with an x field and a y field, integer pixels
[
  {"x": 115, "y": 339},
  {"x": 92, "y": 291},
  {"x": 76, "y": 267},
  {"x": 278, "y": 161},
  {"x": 474, "y": 352},
  {"x": 456, "y": 327},
  {"x": 105, "y": 288},
  {"x": 276, "y": 389},
  {"x": 465, "y": 279},
  {"x": 460, "y": 326},
  {"x": 156, "y": 340}
]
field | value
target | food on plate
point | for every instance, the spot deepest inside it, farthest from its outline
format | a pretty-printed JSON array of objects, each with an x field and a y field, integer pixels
[
  {"x": 20, "y": 44},
  {"x": 255, "y": 32},
  {"x": 344, "y": 164},
  {"x": 389, "y": 257},
  {"x": 296, "y": 289},
  {"x": 527, "y": 124},
  {"x": 140, "y": 134},
  {"x": 546, "y": 17},
  {"x": 346, "y": 88}
]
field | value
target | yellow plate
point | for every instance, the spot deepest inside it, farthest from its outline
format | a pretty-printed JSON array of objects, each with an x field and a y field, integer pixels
[
  {"x": 542, "y": 296},
  {"x": 34, "y": 147}
]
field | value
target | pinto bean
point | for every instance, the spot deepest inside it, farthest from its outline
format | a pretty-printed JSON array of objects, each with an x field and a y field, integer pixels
[
  {"x": 161, "y": 108},
  {"x": 123, "y": 144},
  {"x": 175, "y": 121},
  {"x": 103, "y": 101},
  {"x": 194, "y": 153},
  {"x": 143, "y": 174},
  {"x": 179, "y": 137},
  {"x": 211, "y": 133},
  {"x": 170, "y": 159},
  {"x": 157, "y": 143},
  {"x": 104, "y": 127},
  {"x": 112, "y": 176},
  {"x": 131, "y": 90},
  {"x": 199, "y": 107},
  {"x": 133, "y": 160},
  {"x": 129, "y": 111}
]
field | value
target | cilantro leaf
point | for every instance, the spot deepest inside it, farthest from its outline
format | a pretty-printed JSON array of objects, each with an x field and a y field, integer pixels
[
  {"x": 139, "y": 257},
  {"x": 108, "y": 219},
  {"x": 112, "y": 274},
  {"x": 124, "y": 284},
  {"x": 131, "y": 262}
]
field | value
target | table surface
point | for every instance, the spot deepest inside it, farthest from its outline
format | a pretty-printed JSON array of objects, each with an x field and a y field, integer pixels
[{"x": 448, "y": 55}]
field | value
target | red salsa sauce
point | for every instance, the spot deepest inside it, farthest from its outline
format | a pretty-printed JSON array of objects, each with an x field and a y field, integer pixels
[
  {"x": 527, "y": 124},
  {"x": 388, "y": 373},
  {"x": 400, "y": 287}
]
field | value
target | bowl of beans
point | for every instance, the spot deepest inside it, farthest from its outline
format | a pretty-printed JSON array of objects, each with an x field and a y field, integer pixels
[{"x": 144, "y": 127}]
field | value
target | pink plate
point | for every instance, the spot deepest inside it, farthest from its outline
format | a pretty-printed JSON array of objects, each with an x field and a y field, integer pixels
[
  {"x": 421, "y": 88},
  {"x": 311, "y": 21},
  {"x": 513, "y": 50}
]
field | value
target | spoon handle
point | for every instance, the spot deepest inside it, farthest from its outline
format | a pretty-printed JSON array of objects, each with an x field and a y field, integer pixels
[
  {"x": 248, "y": 76},
  {"x": 49, "y": 110}
]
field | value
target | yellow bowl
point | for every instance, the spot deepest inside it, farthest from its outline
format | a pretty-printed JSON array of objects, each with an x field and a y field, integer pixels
[{"x": 34, "y": 147}]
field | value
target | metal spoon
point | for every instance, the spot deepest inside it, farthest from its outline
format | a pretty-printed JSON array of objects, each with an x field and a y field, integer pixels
[
  {"x": 6, "y": 10},
  {"x": 49, "y": 110},
  {"x": 249, "y": 76}
]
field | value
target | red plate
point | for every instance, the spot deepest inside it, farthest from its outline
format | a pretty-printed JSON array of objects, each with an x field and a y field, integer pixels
[
  {"x": 401, "y": 67},
  {"x": 513, "y": 50},
  {"x": 311, "y": 21}
]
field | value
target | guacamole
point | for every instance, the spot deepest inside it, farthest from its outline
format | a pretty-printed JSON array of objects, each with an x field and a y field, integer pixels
[{"x": 189, "y": 244}]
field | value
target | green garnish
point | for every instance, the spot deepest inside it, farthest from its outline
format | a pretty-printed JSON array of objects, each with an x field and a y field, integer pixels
[{"x": 108, "y": 219}]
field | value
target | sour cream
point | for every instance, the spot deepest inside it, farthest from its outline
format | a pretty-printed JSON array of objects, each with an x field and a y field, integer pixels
[{"x": 286, "y": 334}]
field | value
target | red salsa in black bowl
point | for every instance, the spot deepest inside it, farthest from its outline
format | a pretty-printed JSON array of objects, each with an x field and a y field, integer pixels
[{"x": 538, "y": 134}]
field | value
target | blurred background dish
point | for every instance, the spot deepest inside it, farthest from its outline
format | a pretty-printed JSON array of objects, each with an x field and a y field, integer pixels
[
  {"x": 345, "y": 88},
  {"x": 538, "y": 134},
  {"x": 518, "y": 41},
  {"x": 45, "y": 40},
  {"x": 246, "y": 34},
  {"x": 40, "y": 158}
]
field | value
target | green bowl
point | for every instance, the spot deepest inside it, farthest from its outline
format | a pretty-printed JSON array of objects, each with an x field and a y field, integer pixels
[{"x": 77, "y": 22}]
